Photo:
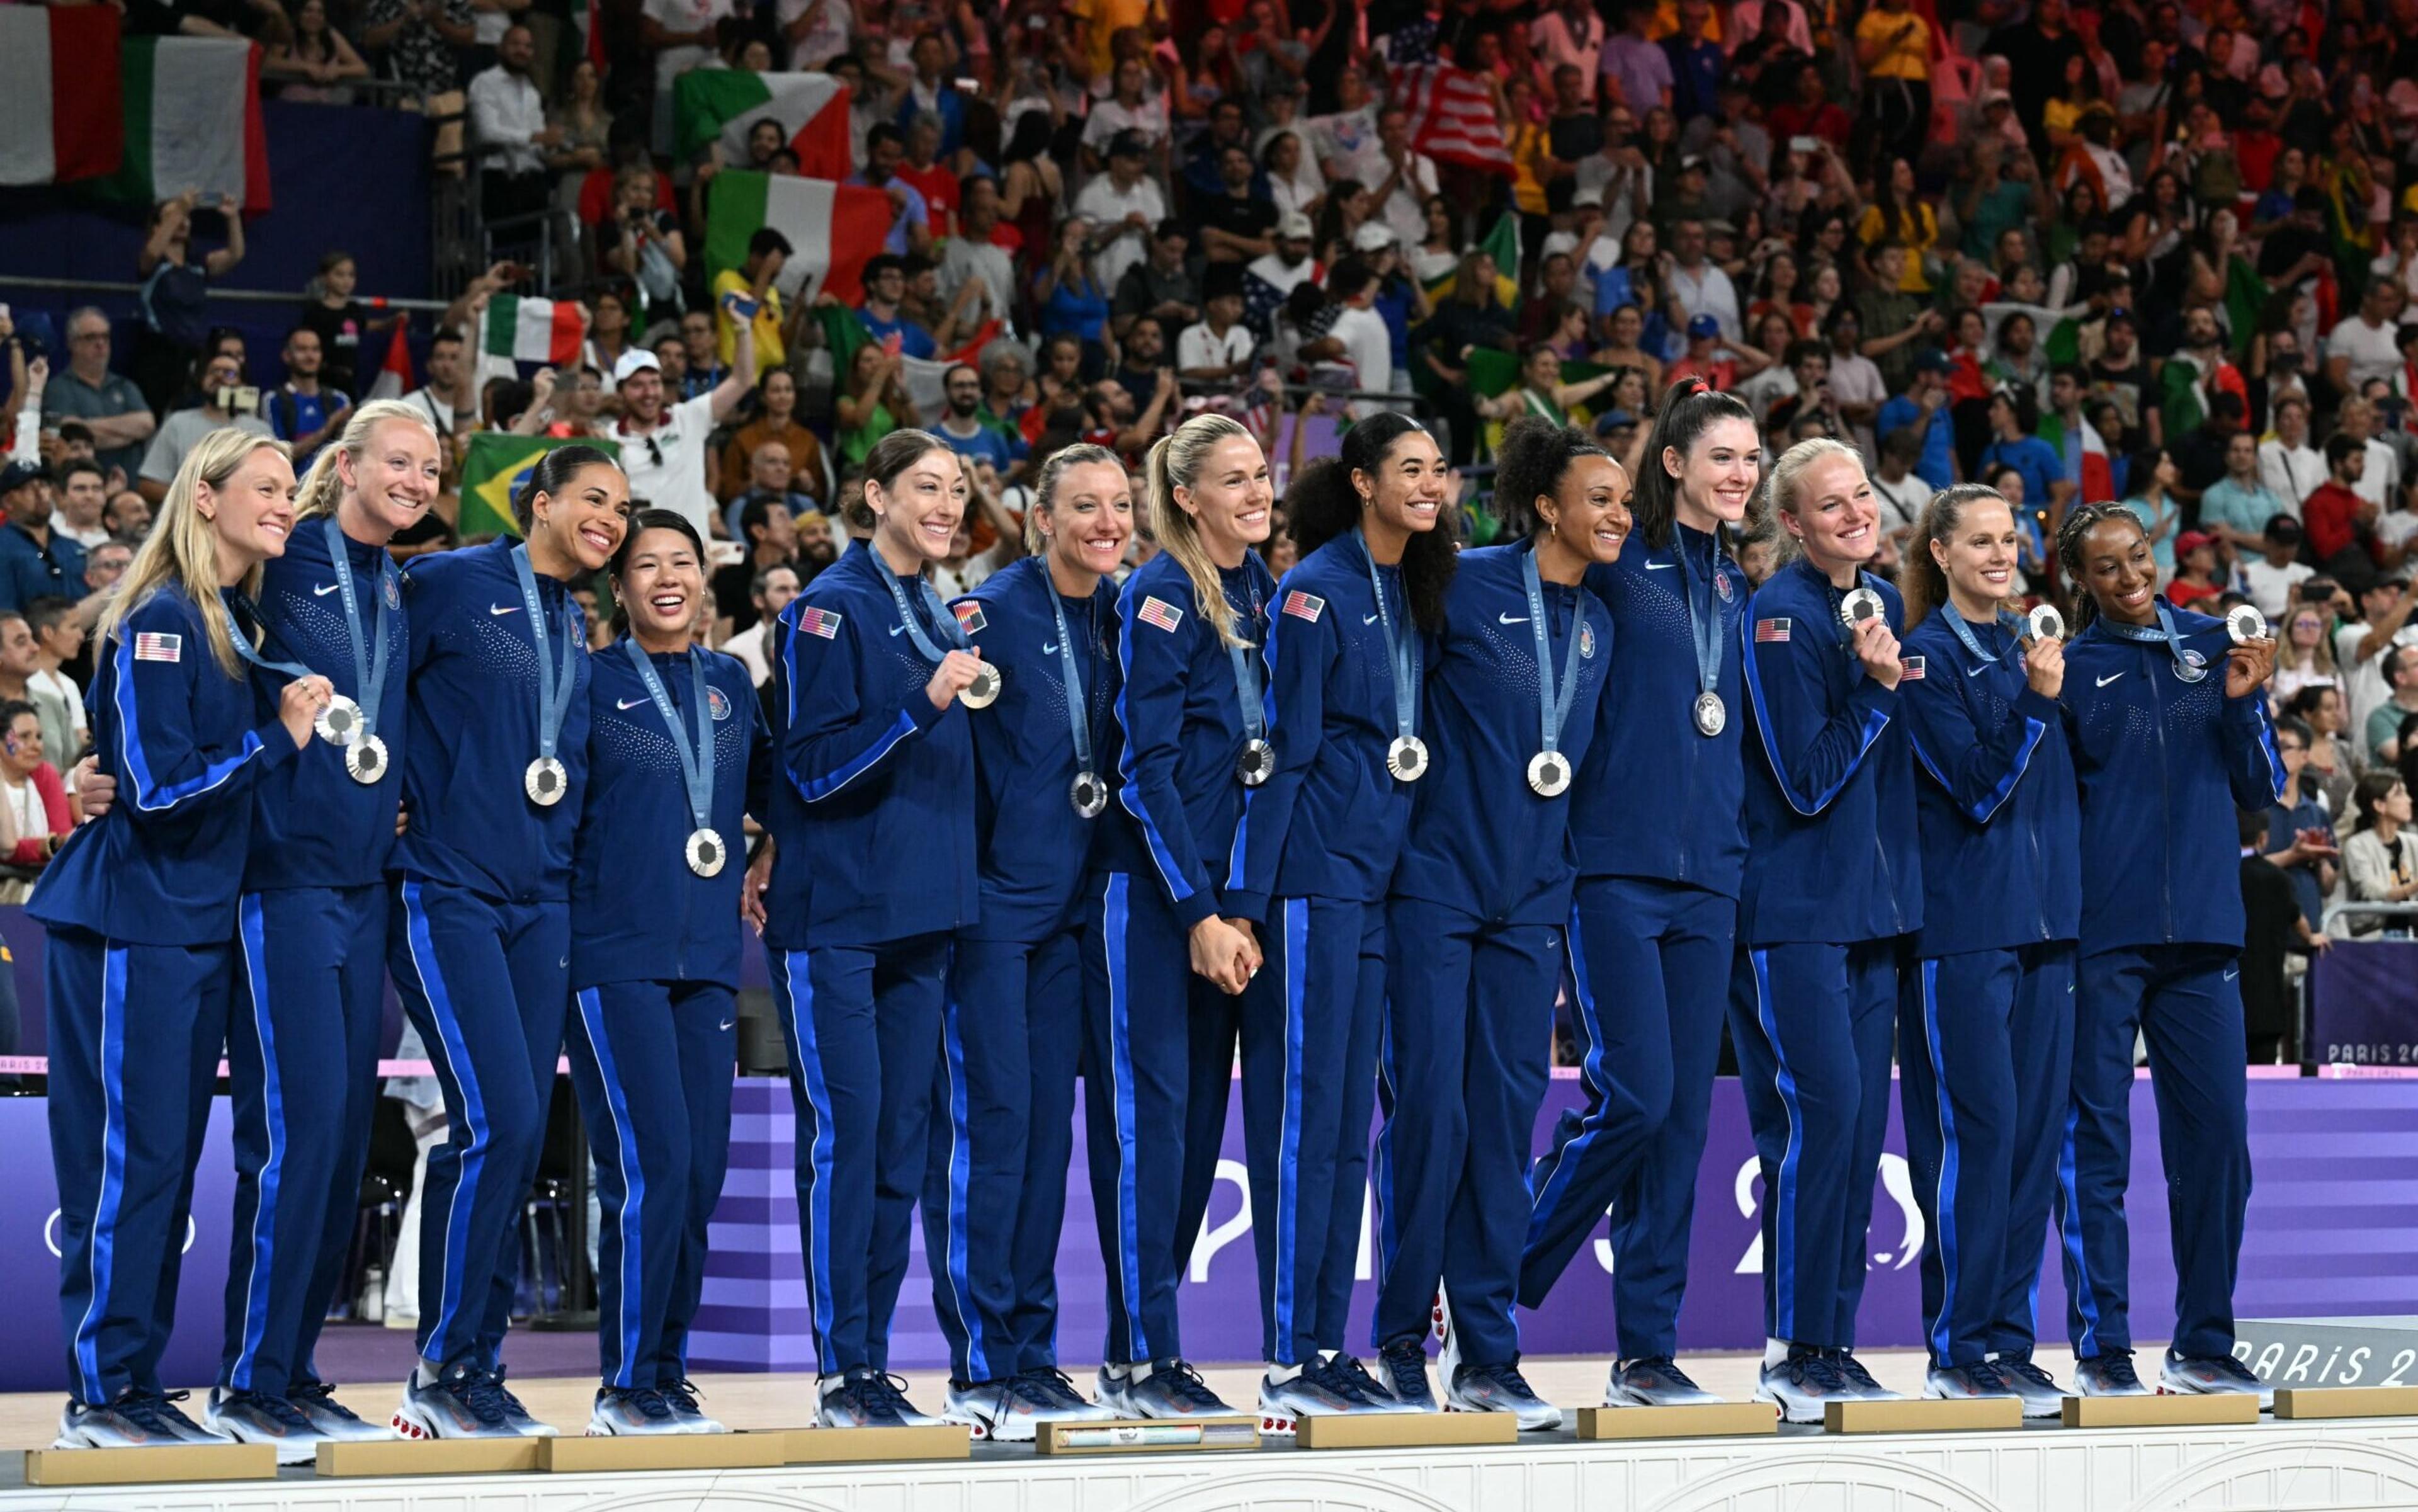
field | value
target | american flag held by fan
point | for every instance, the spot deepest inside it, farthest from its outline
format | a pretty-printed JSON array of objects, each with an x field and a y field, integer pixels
[{"x": 1452, "y": 116}]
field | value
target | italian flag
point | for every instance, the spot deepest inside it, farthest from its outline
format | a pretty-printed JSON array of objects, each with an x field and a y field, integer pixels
[
  {"x": 724, "y": 104},
  {"x": 192, "y": 122},
  {"x": 834, "y": 228},
  {"x": 394, "y": 376},
  {"x": 61, "y": 117},
  {"x": 534, "y": 331}
]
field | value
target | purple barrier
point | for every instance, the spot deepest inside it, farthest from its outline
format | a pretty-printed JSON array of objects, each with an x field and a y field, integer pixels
[{"x": 2364, "y": 999}]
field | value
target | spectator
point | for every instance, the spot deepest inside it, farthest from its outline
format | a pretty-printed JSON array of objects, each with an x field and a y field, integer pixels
[
  {"x": 341, "y": 322},
  {"x": 2362, "y": 345},
  {"x": 585, "y": 126},
  {"x": 644, "y": 244},
  {"x": 886, "y": 290},
  {"x": 932, "y": 98},
  {"x": 36, "y": 814},
  {"x": 2290, "y": 467},
  {"x": 2271, "y": 925},
  {"x": 1130, "y": 112},
  {"x": 127, "y": 518},
  {"x": 315, "y": 59},
  {"x": 1922, "y": 408},
  {"x": 421, "y": 40},
  {"x": 2196, "y": 581},
  {"x": 2359, "y": 647},
  {"x": 911, "y": 226},
  {"x": 681, "y": 35},
  {"x": 2380, "y": 860},
  {"x": 2299, "y": 836},
  {"x": 1405, "y": 178},
  {"x": 1123, "y": 205},
  {"x": 1367, "y": 345},
  {"x": 1271, "y": 279},
  {"x": 508, "y": 118},
  {"x": 1295, "y": 183},
  {"x": 33, "y": 562},
  {"x": 1635, "y": 72},
  {"x": 2382, "y": 731},
  {"x": 2237, "y": 507},
  {"x": 1571, "y": 34},
  {"x": 753, "y": 283},
  {"x": 1237, "y": 223},
  {"x": 701, "y": 365},
  {"x": 1697, "y": 65},
  {"x": 1218, "y": 349},
  {"x": 1893, "y": 48},
  {"x": 225, "y": 401},
  {"x": 768, "y": 592},
  {"x": 448, "y": 393},
  {"x": 664, "y": 450},
  {"x": 175, "y": 289},
  {"x": 2341, "y": 524},
  {"x": 1073, "y": 299},
  {"x": 2270, "y": 579},
  {"x": 873, "y": 403},
  {"x": 2379, "y": 480},
  {"x": 960, "y": 425},
  {"x": 1139, "y": 357},
  {"x": 110, "y": 405},
  {"x": 83, "y": 493},
  {"x": 982, "y": 254},
  {"x": 776, "y": 420},
  {"x": 768, "y": 525},
  {"x": 1160, "y": 286},
  {"x": 924, "y": 171},
  {"x": 58, "y": 641},
  {"x": 305, "y": 412}
]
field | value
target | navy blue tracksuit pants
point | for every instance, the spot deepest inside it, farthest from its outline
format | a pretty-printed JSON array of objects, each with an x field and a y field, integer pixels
[
  {"x": 651, "y": 1064},
  {"x": 863, "y": 1024},
  {"x": 1988, "y": 1037},
  {"x": 1159, "y": 1041},
  {"x": 1812, "y": 1024},
  {"x": 486, "y": 984},
  {"x": 302, "y": 1034},
  {"x": 1309, "y": 1075},
  {"x": 134, "y": 1032},
  {"x": 1002, "y": 1133},
  {"x": 2186, "y": 1001},
  {"x": 1468, "y": 1050},
  {"x": 1650, "y": 966}
]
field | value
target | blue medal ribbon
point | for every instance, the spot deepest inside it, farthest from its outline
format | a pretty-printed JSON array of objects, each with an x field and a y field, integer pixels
[
  {"x": 697, "y": 762},
  {"x": 369, "y": 668},
  {"x": 941, "y": 615},
  {"x": 1246, "y": 683},
  {"x": 1554, "y": 702},
  {"x": 2167, "y": 633},
  {"x": 244, "y": 648},
  {"x": 2007, "y": 622},
  {"x": 1079, "y": 710},
  {"x": 553, "y": 685},
  {"x": 1404, "y": 652},
  {"x": 1703, "y": 627}
]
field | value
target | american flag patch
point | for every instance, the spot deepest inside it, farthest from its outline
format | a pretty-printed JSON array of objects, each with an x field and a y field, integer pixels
[
  {"x": 970, "y": 616},
  {"x": 1910, "y": 669},
  {"x": 1771, "y": 630},
  {"x": 1303, "y": 605},
  {"x": 1156, "y": 611},
  {"x": 152, "y": 646},
  {"x": 821, "y": 622}
]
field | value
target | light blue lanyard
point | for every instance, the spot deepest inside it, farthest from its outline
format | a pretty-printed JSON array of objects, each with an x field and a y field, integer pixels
[
  {"x": 697, "y": 763},
  {"x": 554, "y": 687}
]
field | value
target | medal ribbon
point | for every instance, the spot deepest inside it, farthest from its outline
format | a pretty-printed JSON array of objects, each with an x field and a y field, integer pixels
[
  {"x": 1404, "y": 652},
  {"x": 696, "y": 765},
  {"x": 1554, "y": 704},
  {"x": 1703, "y": 627},
  {"x": 1246, "y": 683},
  {"x": 1079, "y": 712},
  {"x": 2147, "y": 636},
  {"x": 368, "y": 670},
  {"x": 941, "y": 615},
  {"x": 553, "y": 686},
  {"x": 2007, "y": 622}
]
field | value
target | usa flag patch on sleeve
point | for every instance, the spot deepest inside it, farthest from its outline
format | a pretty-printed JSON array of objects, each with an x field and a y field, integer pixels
[
  {"x": 1910, "y": 669},
  {"x": 1770, "y": 630},
  {"x": 150, "y": 646},
  {"x": 1157, "y": 611},
  {"x": 970, "y": 616},
  {"x": 822, "y": 622},
  {"x": 1303, "y": 606}
]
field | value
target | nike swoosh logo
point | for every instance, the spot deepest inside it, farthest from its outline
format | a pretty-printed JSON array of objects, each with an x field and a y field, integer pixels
[
  {"x": 627, "y": 703},
  {"x": 898, "y": 630},
  {"x": 1050, "y": 649},
  {"x": 2230, "y": 976},
  {"x": 727, "y": 1022},
  {"x": 1511, "y": 619},
  {"x": 503, "y": 608},
  {"x": 1368, "y": 619},
  {"x": 1660, "y": 567},
  {"x": 1976, "y": 671},
  {"x": 324, "y": 590},
  {"x": 2112, "y": 677}
]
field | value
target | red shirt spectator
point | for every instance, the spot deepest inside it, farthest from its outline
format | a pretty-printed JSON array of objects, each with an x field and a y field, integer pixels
[{"x": 2331, "y": 516}]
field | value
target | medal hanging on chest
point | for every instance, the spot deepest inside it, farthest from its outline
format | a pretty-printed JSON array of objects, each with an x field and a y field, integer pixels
[
  {"x": 704, "y": 851},
  {"x": 545, "y": 780}
]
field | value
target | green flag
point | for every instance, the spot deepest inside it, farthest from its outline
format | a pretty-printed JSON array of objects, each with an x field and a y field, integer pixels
[
  {"x": 493, "y": 471},
  {"x": 1503, "y": 245}
]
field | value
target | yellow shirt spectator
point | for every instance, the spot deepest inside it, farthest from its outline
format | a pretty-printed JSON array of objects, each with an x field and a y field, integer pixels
[
  {"x": 1919, "y": 235},
  {"x": 1104, "y": 18},
  {"x": 1893, "y": 54},
  {"x": 769, "y": 354}
]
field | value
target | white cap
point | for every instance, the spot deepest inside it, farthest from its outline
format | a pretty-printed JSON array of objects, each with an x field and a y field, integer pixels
[
  {"x": 635, "y": 361},
  {"x": 1295, "y": 226},
  {"x": 1373, "y": 236},
  {"x": 1592, "y": 194}
]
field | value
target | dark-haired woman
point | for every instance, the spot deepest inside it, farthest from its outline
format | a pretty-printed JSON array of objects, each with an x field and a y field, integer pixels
[
  {"x": 995, "y": 1182},
  {"x": 1474, "y": 921},
  {"x": 2169, "y": 729},
  {"x": 1833, "y": 878},
  {"x": 871, "y": 873},
  {"x": 479, "y": 940},
  {"x": 1985, "y": 1017},
  {"x": 678, "y": 756},
  {"x": 141, "y": 910},
  {"x": 310, "y": 987},
  {"x": 1317, "y": 844},
  {"x": 1656, "y": 901},
  {"x": 1167, "y": 960}
]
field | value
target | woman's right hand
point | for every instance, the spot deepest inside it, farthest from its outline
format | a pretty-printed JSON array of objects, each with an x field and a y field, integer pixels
[
  {"x": 1875, "y": 646},
  {"x": 951, "y": 677},
  {"x": 2045, "y": 667},
  {"x": 1222, "y": 953},
  {"x": 94, "y": 789},
  {"x": 301, "y": 703}
]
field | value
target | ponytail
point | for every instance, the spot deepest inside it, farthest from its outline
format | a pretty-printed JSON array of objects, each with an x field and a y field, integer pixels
[
  {"x": 1921, "y": 579},
  {"x": 1689, "y": 408},
  {"x": 322, "y": 488},
  {"x": 1176, "y": 460},
  {"x": 1323, "y": 503}
]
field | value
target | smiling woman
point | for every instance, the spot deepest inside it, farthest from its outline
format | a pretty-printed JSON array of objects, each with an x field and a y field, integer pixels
[{"x": 142, "y": 910}]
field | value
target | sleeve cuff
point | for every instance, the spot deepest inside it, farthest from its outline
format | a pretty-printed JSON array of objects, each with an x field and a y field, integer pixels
[
  {"x": 1251, "y": 905},
  {"x": 2033, "y": 704},
  {"x": 277, "y": 747},
  {"x": 920, "y": 712},
  {"x": 1875, "y": 696},
  {"x": 1197, "y": 907}
]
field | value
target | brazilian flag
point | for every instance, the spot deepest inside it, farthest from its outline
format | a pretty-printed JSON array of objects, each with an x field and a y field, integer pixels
[{"x": 493, "y": 473}]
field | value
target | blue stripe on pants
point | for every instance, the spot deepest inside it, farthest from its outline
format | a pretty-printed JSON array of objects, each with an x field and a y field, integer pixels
[
  {"x": 455, "y": 1069},
  {"x": 626, "y": 1213},
  {"x": 1295, "y": 968},
  {"x": 259, "y": 1258},
  {"x": 1944, "y": 1195},
  {"x": 1784, "y": 1203},
  {"x": 112, "y": 1180},
  {"x": 957, "y": 1173},
  {"x": 795, "y": 995}
]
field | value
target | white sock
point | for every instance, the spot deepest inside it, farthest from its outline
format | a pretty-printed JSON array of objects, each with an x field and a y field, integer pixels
[
  {"x": 1775, "y": 1351},
  {"x": 1279, "y": 1374},
  {"x": 1328, "y": 1357},
  {"x": 423, "y": 1375},
  {"x": 1139, "y": 1371},
  {"x": 825, "y": 1385},
  {"x": 1116, "y": 1372}
]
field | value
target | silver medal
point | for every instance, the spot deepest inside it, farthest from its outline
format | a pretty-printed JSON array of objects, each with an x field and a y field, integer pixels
[
  {"x": 982, "y": 690},
  {"x": 1257, "y": 763},
  {"x": 1088, "y": 794},
  {"x": 2046, "y": 623},
  {"x": 1407, "y": 758},
  {"x": 1859, "y": 605},
  {"x": 2193, "y": 668},
  {"x": 706, "y": 852},
  {"x": 2246, "y": 624},
  {"x": 546, "y": 781},
  {"x": 365, "y": 760},
  {"x": 1549, "y": 773},
  {"x": 340, "y": 722},
  {"x": 1712, "y": 715}
]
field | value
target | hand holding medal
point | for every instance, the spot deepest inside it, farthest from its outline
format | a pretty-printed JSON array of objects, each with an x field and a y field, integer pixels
[
  {"x": 2252, "y": 659},
  {"x": 300, "y": 704},
  {"x": 955, "y": 678},
  {"x": 1873, "y": 642}
]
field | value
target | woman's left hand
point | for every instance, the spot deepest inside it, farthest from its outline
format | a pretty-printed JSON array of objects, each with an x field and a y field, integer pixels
[{"x": 2248, "y": 666}]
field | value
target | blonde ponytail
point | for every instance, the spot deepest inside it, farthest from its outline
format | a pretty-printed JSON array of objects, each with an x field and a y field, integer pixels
[
  {"x": 1175, "y": 462},
  {"x": 182, "y": 550},
  {"x": 323, "y": 487}
]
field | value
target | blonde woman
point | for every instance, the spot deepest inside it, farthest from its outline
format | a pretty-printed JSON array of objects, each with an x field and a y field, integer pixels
[
  {"x": 140, "y": 907},
  {"x": 1192, "y": 623},
  {"x": 302, "y": 1035}
]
